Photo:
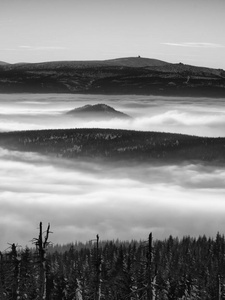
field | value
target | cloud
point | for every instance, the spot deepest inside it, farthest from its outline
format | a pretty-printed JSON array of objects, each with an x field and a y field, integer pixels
[
  {"x": 35, "y": 48},
  {"x": 203, "y": 117},
  {"x": 186, "y": 118},
  {"x": 81, "y": 199},
  {"x": 195, "y": 45}
]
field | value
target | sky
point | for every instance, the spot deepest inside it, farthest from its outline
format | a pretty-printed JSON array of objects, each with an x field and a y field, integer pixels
[{"x": 187, "y": 31}]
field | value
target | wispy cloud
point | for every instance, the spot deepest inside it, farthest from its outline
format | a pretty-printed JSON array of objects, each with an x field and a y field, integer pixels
[
  {"x": 35, "y": 48},
  {"x": 195, "y": 45}
]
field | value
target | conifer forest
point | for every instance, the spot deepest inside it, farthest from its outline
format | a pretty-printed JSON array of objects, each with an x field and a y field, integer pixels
[{"x": 170, "y": 269}]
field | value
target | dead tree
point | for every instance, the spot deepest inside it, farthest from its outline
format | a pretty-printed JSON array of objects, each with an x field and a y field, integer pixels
[
  {"x": 219, "y": 287},
  {"x": 41, "y": 246},
  {"x": 98, "y": 271},
  {"x": 149, "y": 268},
  {"x": 1, "y": 276},
  {"x": 16, "y": 272},
  {"x": 97, "y": 262}
]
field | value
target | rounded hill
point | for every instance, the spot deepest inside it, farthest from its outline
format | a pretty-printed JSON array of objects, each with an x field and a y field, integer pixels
[{"x": 101, "y": 111}]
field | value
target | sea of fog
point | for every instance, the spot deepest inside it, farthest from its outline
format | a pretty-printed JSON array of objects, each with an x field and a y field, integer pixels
[
  {"x": 195, "y": 116},
  {"x": 81, "y": 199}
]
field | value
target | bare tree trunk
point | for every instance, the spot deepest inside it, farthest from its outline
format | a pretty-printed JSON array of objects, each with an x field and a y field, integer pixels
[
  {"x": 16, "y": 273},
  {"x": 219, "y": 287},
  {"x": 1, "y": 275},
  {"x": 149, "y": 266},
  {"x": 98, "y": 272},
  {"x": 42, "y": 249}
]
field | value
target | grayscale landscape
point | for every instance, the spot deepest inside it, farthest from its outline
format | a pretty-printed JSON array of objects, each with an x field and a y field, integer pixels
[
  {"x": 112, "y": 150},
  {"x": 68, "y": 176}
]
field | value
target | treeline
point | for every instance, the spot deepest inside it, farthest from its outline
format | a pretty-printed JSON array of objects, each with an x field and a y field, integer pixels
[{"x": 187, "y": 268}]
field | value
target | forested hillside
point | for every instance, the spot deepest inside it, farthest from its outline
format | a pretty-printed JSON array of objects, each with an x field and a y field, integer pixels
[
  {"x": 189, "y": 268},
  {"x": 130, "y": 75},
  {"x": 111, "y": 144}
]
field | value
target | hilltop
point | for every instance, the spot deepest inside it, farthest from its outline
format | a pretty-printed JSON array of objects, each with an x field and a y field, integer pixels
[
  {"x": 97, "y": 111},
  {"x": 132, "y": 62},
  {"x": 129, "y": 75}
]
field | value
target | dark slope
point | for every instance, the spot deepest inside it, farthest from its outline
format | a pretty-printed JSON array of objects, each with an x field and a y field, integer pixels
[
  {"x": 97, "y": 111},
  {"x": 2, "y": 63},
  {"x": 132, "y": 75},
  {"x": 113, "y": 144}
]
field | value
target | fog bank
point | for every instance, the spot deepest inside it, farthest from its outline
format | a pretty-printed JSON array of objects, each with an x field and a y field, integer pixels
[
  {"x": 195, "y": 116},
  {"x": 81, "y": 199}
]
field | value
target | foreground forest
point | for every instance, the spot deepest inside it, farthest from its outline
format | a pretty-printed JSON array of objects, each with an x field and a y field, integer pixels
[{"x": 187, "y": 268}]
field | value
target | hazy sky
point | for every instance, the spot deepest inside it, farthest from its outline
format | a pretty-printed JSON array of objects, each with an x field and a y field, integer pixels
[{"x": 190, "y": 31}]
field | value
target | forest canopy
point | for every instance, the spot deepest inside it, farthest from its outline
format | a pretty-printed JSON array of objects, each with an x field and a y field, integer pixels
[{"x": 186, "y": 268}]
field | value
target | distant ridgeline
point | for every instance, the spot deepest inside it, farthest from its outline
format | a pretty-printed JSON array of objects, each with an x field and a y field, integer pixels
[
  {"x": 131, "y": 75},
  {"x": 111, "y": 144}
]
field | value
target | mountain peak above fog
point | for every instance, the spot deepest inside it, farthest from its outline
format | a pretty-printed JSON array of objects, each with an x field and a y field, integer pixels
[
  {"x": 136, "y": 62},
  {"x": 128, "y": 75},
  {"x": 132, "y": 62},
  {"x": 97, "y": 111}
]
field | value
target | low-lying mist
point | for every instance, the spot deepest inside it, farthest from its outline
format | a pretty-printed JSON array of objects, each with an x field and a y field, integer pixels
[
  {"x": 195, "y": 116},
  {"x": 81, "y": 199},
  {"x": 125, "y": 201}
]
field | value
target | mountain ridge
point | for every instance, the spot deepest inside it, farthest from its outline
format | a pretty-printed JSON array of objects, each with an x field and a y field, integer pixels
[
  {"x": 128, "y": 75},
  {"x": 123, "y": 61}
]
